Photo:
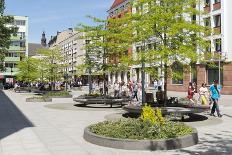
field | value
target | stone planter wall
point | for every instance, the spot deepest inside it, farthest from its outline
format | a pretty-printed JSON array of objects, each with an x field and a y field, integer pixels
[
  {"x": 127, "y": 144},
  {"x": 69, "y": 96},
  {"x": 38, "y": 100}
]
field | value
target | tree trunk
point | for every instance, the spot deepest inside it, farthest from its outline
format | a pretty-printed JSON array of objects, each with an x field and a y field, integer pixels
[{"x": 165, "y": 83}]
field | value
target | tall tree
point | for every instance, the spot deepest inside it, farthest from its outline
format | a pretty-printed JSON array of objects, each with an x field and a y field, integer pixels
[
  {"x": 173, "y": 30},
  {"x": 103, "y": 41},
  {"x": 5, "y": 32},
  {"x": 54, "y": 65}
]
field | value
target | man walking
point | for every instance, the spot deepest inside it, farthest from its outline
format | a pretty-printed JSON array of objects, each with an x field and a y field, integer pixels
[{"x": 215, "y": 95}]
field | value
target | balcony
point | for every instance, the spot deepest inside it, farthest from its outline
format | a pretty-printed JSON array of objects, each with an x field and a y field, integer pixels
[
  {"x": 207, "y": 8},
  {"x": 17, "y": 38},
  {"x": 8, "y": 69},
  {"x": 14, "y": 48},
  {"x": 217, "y": 30},
  {"x": 217, "y": 6},
  {"x": 12, "y": 59},
  {"x": 22, "y": 48}
]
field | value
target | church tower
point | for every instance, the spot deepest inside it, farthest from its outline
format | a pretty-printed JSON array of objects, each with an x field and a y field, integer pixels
[{"x": 43, "y": 40}]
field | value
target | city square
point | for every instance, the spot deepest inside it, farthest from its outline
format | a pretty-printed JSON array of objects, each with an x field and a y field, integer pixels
[{"x": 115, "y": 77}]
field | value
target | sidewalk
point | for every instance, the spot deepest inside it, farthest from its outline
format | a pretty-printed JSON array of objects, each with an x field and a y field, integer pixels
[{"x": 32, "y": 129}]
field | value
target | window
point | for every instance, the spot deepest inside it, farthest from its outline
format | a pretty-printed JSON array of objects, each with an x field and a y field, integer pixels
[
  {"x": 208, "y": 48},
  {"x": 207, "y": 22},
  {"x": 138, "y": 49},
  {"x": 10, "y": 65},
  {"x": 213, "y": 74},
  {"x": 217, "y": 1},
  {"x": 122, "y": 76},
  {"x": 21, "y": 35},
  {"x": 194, "y": 18},
  {"x": 177, "y": 73},
  {"x": 207, "y": 2},
  {"x": 193, "y": 73},
  {"x": 12, "y": 55},
  {"x": 218, "y": 46},
  {"x": 217, "y": 20},
  {"x": 20, "y": 22}
]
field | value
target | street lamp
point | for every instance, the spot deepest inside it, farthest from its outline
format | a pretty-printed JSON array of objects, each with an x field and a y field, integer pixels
[{"x": 65, "y": 79}]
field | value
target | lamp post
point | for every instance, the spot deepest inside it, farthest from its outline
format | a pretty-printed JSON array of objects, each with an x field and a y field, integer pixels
[
  {"x": 11, "y": 70},
  {"x": 65, "y": 80}
]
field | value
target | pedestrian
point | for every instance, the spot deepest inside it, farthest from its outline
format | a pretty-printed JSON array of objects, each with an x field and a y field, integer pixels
[
  {"x": 215, "y": 95},
  {"x": 160, "y": 96},
  {"x": 195, "y": 87},
  {"x": 160, "y": 83},
  {"x": 135, "y": 91},
  {"x": 191, "y": 92},
  {"x": 155, "y": 84},
  {"x": 203, "y": 94},
  {"x": 116, "y": 89},
  {"x": 101, "y": 85}
]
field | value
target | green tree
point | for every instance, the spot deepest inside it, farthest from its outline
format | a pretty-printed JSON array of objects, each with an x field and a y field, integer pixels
[
  {"x": 5, "y": 32},
  {"x": 53, "y": 66},
  {"x": 172, "y": 28},
  {"x": 103, "y": 41},
  {"x": 28, "y": 71}
]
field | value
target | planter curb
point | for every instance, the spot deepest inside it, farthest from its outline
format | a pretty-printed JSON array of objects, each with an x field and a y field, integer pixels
[{"x": 127, "y": 144}]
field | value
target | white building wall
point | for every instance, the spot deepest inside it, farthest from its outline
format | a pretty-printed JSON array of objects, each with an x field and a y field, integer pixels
[{"x": 227, "y": 28}]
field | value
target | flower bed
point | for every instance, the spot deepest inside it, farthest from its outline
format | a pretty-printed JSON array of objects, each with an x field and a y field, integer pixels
[{"x": 140, "y": 130}]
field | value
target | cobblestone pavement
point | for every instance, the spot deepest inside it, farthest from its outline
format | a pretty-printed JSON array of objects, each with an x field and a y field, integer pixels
[{"x": 33, "y": 129}]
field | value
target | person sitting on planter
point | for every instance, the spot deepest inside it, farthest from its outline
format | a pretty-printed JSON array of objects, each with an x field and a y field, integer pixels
[{"x": 160, "y": 96}]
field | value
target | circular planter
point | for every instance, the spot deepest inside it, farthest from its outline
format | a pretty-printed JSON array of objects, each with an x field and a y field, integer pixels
[
  {"x": 68, "y": 96},
  {"x": 128, "y": 144},
  {"x": 86, "y": 100},
  {"x": 38, "y": 100}
]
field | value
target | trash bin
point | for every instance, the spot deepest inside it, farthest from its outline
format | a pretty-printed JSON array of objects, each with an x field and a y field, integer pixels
[{"x": 149, "y": 98}]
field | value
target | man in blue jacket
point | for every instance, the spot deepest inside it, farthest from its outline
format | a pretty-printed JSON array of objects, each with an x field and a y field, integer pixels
[{"x": 215, "y": 95}]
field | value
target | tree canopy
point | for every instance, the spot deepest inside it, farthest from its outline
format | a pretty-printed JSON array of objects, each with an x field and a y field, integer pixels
[{"x": 5, "y": 32}]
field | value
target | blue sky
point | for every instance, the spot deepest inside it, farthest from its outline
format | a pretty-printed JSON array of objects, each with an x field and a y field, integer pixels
[{"x": 56, "y": 15}]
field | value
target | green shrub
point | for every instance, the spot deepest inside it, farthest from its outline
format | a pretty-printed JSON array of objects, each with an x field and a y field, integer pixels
[
  {"x": 57, "y": 93},
  {"x": 93, "y": 94},
  {"x": 154, "y": 116},
  {"x": 139, "y": 129}
]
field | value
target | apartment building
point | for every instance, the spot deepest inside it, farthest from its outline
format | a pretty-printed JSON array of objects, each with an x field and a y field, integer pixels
[
  {"x": 217, "y": 16},
  {"x": 117, "y": 10},
  {"x": 17, "y": 50},
  {"x": 72, "y": 49}
]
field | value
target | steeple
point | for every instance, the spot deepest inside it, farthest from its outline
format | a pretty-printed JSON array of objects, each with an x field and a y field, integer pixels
[{"x": 43, "y": 40}]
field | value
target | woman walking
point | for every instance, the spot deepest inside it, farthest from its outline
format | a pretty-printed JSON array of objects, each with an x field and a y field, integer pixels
[
  {"x": 203, "y": 94},
  {"x": 215, "y": 95},
  {"x": 191, "y": 92}
]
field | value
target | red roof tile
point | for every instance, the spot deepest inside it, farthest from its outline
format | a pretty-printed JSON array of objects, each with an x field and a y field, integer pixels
[{"x": 116, "y": 3}]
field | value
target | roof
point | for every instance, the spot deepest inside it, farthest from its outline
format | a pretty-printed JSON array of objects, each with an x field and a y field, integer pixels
[
  {"x": 116, "y": 3},
  {"x": 32, "y": 48}
]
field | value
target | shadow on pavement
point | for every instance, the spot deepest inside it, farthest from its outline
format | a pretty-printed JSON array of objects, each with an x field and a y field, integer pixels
[
  {"x": 11, "y": 118},
  {"x": 213, "y": 144}
]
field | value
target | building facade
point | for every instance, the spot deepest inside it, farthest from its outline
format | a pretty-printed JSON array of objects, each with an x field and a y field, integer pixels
[
  {"x": 17, "y": 50},
  {"x": 217, "y": 16},
  {"x": 72, "y": 49},
  {"x": 118, "y": 9}
]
